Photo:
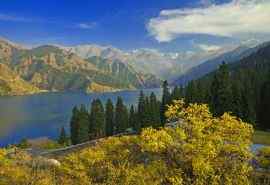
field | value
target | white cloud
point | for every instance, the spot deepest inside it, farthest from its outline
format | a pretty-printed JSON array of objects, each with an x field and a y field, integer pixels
[
  {"x": 238, "y": 19},
  {"x": 86, "y": 25},
  {"x": 208, "y": 48}
]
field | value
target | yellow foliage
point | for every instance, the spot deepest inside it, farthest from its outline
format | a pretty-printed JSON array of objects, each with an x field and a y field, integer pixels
[
  {"x": 201, "y": 150},
  {"x": 95, "y": 87},
  {"x": 264, "y": 158}
]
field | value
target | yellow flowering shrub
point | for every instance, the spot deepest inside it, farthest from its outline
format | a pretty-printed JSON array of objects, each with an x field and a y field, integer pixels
[
  {"x": 200, "y": 150},
  {"x": 264, "y": 158},
  {"x": 17, "y": 168}
]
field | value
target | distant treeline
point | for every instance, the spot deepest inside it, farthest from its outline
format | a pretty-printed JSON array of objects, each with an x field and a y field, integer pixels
[
  {"x": 242, "y": 89},
  {"x": 109, "y": 119}
]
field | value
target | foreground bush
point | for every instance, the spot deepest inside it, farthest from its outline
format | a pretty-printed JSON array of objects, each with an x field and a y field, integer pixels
[
  {"x": 262, "y": 175},
  {"x": 202, "y": 149},
  {"x": 264, "y": 158}
]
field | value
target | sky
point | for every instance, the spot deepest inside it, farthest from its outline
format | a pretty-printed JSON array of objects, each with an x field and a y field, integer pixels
[{"x": 166, "y": 25}]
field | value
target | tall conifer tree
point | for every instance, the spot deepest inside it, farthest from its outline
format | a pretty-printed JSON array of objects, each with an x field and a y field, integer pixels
[
  {"x": 177, "y": 93},
  {"x": 132, "y": 118},
  {"x": 154, "y": 111},
  {"x": 121, "y": 116},
  {"x": 141, "y": 110},
  {"x": 79, "y": 125},
  {"x": 74, "y": 126},
  {"x": 83, "y": 131},
  {"x": 264, "y": 108},
  {"x": 109, "y": 118},
  {"x": 221, "y": 91},
  {"x": 97, "y": 120},
  {"x": 166, "y": 98},
  {"x": 191, "y": 95}
]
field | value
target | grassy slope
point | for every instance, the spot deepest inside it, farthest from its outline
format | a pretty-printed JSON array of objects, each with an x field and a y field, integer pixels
[{"x": 261, "y": 137}]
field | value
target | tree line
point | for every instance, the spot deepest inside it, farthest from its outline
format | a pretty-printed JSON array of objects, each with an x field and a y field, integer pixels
[
  {"x": 244, "y": 91},
  {"x": 110, "y": 119}
]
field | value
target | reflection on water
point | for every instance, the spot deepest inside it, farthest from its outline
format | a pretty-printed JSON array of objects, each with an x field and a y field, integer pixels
[{"x": 44, "y": 114}]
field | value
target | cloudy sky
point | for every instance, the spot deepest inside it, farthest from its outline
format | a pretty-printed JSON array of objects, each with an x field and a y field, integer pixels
[{"x": 167, "y": 25}]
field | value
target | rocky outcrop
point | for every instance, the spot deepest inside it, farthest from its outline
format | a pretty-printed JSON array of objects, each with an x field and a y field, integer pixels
[{"x": 12, "y": 84}]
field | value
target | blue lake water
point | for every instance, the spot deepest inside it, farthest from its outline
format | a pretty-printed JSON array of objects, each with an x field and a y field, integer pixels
[{"x": 43, "y": 115}]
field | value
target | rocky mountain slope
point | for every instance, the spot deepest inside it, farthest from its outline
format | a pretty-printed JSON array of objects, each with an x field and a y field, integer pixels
[
  {"x": 163, "y": 65},
  {"x": 54, "y": 69},
  {"x": 12, "y": 84}
]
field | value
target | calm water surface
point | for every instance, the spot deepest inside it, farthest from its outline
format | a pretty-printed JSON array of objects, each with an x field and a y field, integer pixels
[{"x": 43, "y": 115}]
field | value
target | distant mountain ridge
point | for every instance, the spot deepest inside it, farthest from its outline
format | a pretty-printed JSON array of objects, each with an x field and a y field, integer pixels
[
  {"x": 94, "y": 68},
  {"x": 52, "y": 68},
  {"x": 213, "y": 64},
  {"x": 166, "y": 66}
]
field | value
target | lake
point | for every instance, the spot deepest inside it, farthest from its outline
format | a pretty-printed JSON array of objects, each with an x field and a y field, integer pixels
[{"x": 43, "y": 115}]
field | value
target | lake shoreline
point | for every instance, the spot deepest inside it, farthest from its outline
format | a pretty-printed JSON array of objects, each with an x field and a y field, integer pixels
[
  {"x": 42, "y": 115},
  {"x": 83, "y": 92}
]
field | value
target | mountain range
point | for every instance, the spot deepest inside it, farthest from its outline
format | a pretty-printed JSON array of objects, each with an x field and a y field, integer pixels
[
  {"x": 51, "y": 68},
  {"x": 94, "y": 68},
  {"x": 166, "y": 66}
]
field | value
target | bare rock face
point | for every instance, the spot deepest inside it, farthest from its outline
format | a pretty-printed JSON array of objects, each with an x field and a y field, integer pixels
[
  {"x": 51, "y": 68},
  {"x": 6, "y": 51},
  {"x": 12, "y": 84}
]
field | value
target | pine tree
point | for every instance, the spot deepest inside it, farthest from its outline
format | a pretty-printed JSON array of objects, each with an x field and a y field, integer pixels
[
  {"x": 97, "y": 120},
  {"x": 237, "y": 99},
  {"x": 177, "y": 93},
  {"x": 79, "y": 125},
  {"x": 192, "y": 93},
  {"x": 83, "y": 130},
  {"x": 141, "y": 110},
  {"x": 154, "y": 111},
  {"x": 109, "y": 118},
  {"x": 264, "y": 107},
  {"x": 147, "y": 113},
  {"x": 132, "y": 118},
  {"x": 221, "y": 91},
  {"x": 63, "y": 139},
  {"x": 201, "y": 92},
  {"x": 165, "y": 101},
  {"x": 74, "y": 126},
  {"x": 121, "y": 116}
]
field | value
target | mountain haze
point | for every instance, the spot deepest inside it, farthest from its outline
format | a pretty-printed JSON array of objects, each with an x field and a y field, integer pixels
[
  {"x": 166, "y": 66},
  {"x": 213, "y": 64}
]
